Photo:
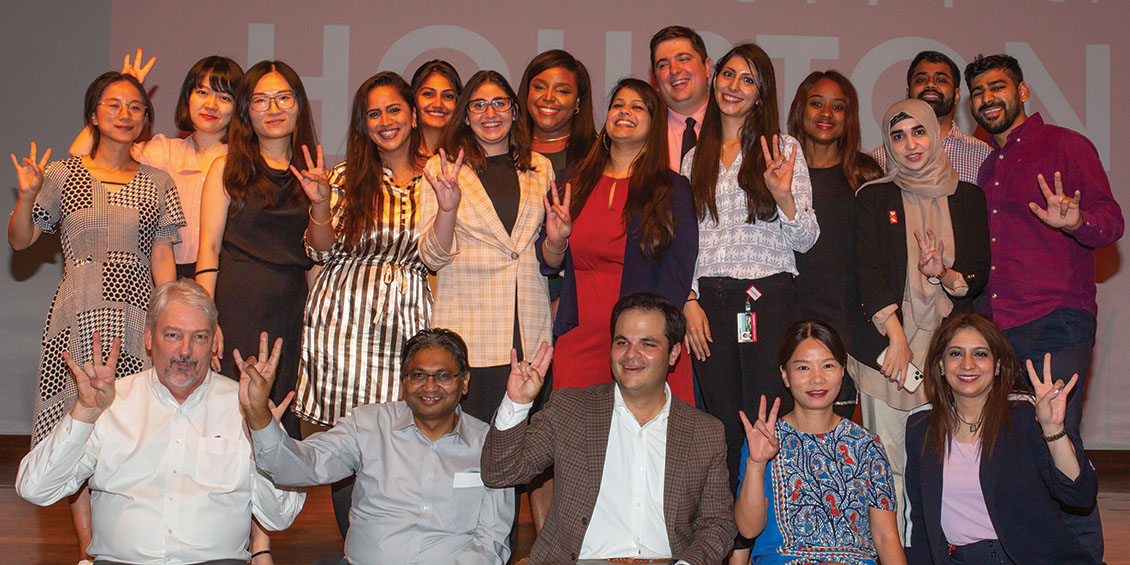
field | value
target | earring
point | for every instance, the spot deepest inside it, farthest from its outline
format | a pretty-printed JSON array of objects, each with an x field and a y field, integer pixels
[
  {"x": 576, "y": 110},
  {"x": 607, "y": 143}
]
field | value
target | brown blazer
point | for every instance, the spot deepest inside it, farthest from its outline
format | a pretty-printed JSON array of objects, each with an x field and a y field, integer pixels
[{"x": 571, "y": 434}]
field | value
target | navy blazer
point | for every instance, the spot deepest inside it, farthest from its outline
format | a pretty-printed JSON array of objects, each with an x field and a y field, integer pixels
[
  {"x": 881, "y": 254},
  {"x": 1022, "y": 490},
  {"x": 668, "y": 275}
]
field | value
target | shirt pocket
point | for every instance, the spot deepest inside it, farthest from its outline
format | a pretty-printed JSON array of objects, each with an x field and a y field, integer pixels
[
  {"x": 467, "y": 494},
  {"x": 222, "y": 463}
]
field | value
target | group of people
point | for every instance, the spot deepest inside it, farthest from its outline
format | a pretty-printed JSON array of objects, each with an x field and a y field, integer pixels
[{"x": 733, "y": 267}]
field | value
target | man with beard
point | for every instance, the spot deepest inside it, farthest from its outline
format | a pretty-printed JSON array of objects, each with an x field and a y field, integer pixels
[
  {"x": 1042, "y": 288},
  {"x": 418, "y": 497},
  {"x": 680, "y": 71},
  {"x": 934, "y": 78},
  {"x": 165, "y": 450}
]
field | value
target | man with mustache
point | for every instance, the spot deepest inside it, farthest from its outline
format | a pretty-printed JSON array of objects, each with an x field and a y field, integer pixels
[
  {"x": 934, "y": 78},
  {"x": 1042, "y": 237},
  {"x": 639, "y": 473},
  {"x": 418, "y": 497},
  {"x": 680, "y": 71},
  {"x": 165, "y": 450}
]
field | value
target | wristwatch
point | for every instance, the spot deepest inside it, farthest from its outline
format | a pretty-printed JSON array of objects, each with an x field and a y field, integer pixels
[{"x": 937, "y": 279}]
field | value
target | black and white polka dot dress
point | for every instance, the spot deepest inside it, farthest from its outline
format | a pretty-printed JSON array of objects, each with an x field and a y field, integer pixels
[{"x": 107, "y": 239}]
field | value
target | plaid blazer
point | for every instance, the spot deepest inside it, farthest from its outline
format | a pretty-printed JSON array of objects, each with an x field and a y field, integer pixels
[
  {"x": 571, "y": 433},
  {"x": 477, "y": 280}
]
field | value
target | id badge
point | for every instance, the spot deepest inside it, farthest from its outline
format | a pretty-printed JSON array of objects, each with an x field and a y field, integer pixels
[{"x": 747, "y": 327}]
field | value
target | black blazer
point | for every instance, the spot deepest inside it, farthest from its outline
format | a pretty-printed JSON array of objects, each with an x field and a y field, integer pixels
[
  {"x": 881, "y": 253},
  {"x": 1021, "y": 486}
]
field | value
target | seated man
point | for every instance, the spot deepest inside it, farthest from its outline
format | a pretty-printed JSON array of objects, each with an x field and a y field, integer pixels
[
  {"x": 165, "y": 450},
  {"x": 418, "y": 497},
  {"x": 639, "y": 473}
]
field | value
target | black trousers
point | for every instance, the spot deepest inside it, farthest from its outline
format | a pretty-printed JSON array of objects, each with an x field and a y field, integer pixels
[{"x": 736, "y": 374}]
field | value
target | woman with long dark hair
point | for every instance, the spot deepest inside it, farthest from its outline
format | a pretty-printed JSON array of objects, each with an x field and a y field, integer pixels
[
  {"x": 557, "y": 96},
  {"x": 824, "y": 118},
  {"x": 436, "y": 86},
  {"x": 986, "y": 472},
  {"x": 625, "y": 223},
  {"x": 253, "y": 215},
  {"x": 480, "y": 216},
  {"x": 754, "y": 204}
]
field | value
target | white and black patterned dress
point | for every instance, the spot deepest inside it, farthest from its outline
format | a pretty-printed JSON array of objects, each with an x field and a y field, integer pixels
[
  {"x": 365, "y": 304},
  {"x": 107, "y": 240}
]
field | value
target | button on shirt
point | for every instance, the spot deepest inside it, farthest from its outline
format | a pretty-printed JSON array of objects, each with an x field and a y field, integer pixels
[
  {"x": 169, "y": 483},
  {"x": 414, "y": 501},
  {"x": 1036, "y": 269},
  {"x": 628, "y": 519},
  {"x": 966, "y": 154}
]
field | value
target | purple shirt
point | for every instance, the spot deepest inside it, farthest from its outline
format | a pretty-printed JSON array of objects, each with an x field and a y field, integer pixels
[{"x": 1035, "y": 269}]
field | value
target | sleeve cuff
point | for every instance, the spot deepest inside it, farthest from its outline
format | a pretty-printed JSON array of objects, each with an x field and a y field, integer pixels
[
  {"x": 880, "y": 318},
  {"x": 510, "y": 413},
  {"x": 76, "y": 432},
  {"x": 960, "y": 287},
  {"x": 267, "y": 437}
]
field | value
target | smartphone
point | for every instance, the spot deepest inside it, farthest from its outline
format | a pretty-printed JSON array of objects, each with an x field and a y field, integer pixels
[{"x": 914, "y": 380}]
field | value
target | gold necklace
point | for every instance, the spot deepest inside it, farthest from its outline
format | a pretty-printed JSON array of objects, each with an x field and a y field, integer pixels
[{"x": 556, "y": 139}]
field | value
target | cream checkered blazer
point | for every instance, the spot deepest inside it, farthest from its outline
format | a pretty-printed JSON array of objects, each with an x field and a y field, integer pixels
[{"x": 477, "y": 280}]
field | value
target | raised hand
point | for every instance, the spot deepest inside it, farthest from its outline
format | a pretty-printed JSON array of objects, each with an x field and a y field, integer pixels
[
  {"x": 29, "y": 172},
  {"x": 94, "y": 380},
  {"x": 255, "y": 379},
  {"x": 762, "y": 434},
  {"x": 1051, "y": 396},
  {"x": 446, "y": 184},
  {"x": 526, "y": 378},
  {"x": 930, "y": 250},
  {"x": 315, "y": 179},
  {"x": 558, "y": 221},
  {"x": 698, "y": 338},
  {"x": 1062, "y": 212},
  {"x": 135, "y": 69},
  {"x": 218, "y": 349},
  {"x": 779, "y": 173}
]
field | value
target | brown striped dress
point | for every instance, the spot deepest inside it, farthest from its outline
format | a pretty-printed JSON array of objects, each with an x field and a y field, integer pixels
[{"x": 366, "y": 302}]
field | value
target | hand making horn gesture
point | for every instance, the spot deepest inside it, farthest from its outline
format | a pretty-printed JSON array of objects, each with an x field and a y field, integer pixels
[
  {"x": 446, "y": 184},
  {"x": 526, "y": 377},
  {"x": 1062, "y": 212},
  {"x": 94, "y": 380},
  {"x": 135, "y": 70},
  {"x": 779, "y": 174},
  {"x": 256, "y": 375},
  {"x": 29, "y": 172},
  {"x": 315, "y": 179},
  {"x": 1051, "y": 396},
  {"x": 930, "y": 250},
  {"x": 762, "y": 434}
]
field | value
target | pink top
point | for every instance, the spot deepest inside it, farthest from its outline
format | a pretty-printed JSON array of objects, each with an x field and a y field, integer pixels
[
  {"x": 965, "y": 519},
  {"x": 676, "y": 125},
  {"x": 179, "y": 158}
]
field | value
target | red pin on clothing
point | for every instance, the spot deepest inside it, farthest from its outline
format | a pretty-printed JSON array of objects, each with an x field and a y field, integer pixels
[{"x": 894, "y": 216}]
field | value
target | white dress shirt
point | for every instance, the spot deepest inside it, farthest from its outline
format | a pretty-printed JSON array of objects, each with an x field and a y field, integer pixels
[
  {"x": 415, "y": 500},
  {"x": 169, "y": 483},
  {"x": 628, "y": 519}
]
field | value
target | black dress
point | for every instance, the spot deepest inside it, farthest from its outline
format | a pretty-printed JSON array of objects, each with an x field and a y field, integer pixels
[{"x": 261, "y": 285}]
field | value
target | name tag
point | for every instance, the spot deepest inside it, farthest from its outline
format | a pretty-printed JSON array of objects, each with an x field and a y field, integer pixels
[{"x": 468, "y": 480}]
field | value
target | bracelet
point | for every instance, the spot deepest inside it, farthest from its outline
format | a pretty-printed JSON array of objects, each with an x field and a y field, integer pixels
[
  {"x": 322, "y": 199},
  {"x": 202, "y": 271},
  {"x": 310, "y": 212},
  {"x": 695, "y": 299},
  {"x": 1052, "y": 438},
  {"x": 552, "y": 252},
  {"x": 258, "y": 553}
]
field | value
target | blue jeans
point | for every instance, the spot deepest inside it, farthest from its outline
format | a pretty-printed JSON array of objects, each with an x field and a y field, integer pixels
[{"x": 1069, "y": 335}]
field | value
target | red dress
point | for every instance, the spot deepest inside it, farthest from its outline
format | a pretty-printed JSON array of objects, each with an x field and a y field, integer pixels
[{"x": 582, "y": 355}]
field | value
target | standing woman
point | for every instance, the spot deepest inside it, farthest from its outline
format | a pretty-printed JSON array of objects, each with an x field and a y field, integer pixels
[
  {"x": 253, "y": 215},
  {"x": 489, "y": 289},
  {"x": 922, "y": 252},
  {"x": 557, "y": 93},
  {"x": 117, "y": 221},
  {"x": 436, "y": 86},
  {"x": 204, "y": 109},
  {"x": 629, "y": 214},
  {"x": 755, "y": 210},
  {"x": 824, "y": 118}
]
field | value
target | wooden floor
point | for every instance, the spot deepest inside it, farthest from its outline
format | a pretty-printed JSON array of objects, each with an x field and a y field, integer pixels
[{"x": 30, "y": 534}]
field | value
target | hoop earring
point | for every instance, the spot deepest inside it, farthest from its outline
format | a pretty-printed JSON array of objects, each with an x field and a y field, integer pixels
[{"x": 605, "y": 142}]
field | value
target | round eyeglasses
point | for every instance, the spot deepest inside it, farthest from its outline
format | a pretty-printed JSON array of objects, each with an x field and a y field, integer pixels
[{"x": 480, "y": 105}]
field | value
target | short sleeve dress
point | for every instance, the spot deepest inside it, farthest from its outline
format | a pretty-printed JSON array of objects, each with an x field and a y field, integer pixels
[
  {"x": 367, "y": 301},
  {"x": 107, "y": 239},
  {"x": 820, "y": 488}
]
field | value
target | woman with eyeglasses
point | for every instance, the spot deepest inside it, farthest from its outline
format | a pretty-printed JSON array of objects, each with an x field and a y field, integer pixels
[
  {"x": 754, "y": 203},
  {"x": 489, "y": 289},
  {"x": 624, "y": 223},
  {"x": 117, "y": 220},
  {"x": 436, "y": 86},
  {"x": 253, "y": 215},
  {"x": 204, "y": 110}
]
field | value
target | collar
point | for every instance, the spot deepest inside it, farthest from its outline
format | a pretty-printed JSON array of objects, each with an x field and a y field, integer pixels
[
  {"x": 163, "y": 394},
  {"x": 618, "y": 403},
  {"x": 675, "y": 118},
  {"x": 190, "y": 161},
  {"x": 1034, "y": 121},
  {"x": 404, "y": 420}
]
